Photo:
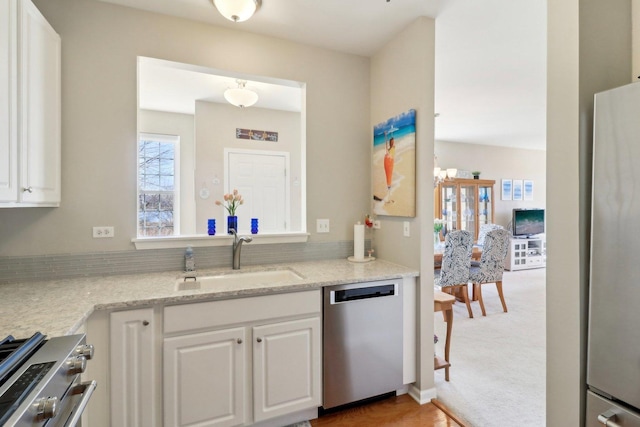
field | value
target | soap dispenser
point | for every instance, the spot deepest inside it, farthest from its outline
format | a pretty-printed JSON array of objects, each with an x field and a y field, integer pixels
[{"x": 189, "y": 260}]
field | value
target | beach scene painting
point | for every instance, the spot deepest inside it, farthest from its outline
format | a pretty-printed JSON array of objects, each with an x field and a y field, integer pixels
[{"x": 394, "y": 166}]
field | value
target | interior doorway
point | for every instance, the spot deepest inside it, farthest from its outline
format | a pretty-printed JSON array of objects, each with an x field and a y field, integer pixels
[{"x": 261, "y": 178}]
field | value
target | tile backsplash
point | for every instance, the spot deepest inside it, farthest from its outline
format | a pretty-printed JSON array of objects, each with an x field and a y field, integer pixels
[{"x": 60, "y": 266}]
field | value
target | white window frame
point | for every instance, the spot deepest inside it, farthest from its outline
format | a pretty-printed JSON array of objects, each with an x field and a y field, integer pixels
[{"x": 164, "y": 138}]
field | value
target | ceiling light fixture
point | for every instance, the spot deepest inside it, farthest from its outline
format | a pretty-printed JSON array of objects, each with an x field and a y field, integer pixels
[
  {"x": 237, "y": 10},
  {"x": 241, "y": 96}
]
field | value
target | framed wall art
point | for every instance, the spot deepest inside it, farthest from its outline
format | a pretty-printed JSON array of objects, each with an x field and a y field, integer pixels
[
  {"x": 517, "y": 189},
  {"x": 528, "y": 189},
  {"x": 506, "y": 189},
  {"x": 394, "y": 166}
]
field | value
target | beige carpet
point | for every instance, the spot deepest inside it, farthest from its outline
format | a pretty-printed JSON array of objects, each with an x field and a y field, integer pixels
[{"x": 497, "y": 374}]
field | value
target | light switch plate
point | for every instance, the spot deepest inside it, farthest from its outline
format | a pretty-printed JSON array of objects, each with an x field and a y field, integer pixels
[{"x": 406, "y": 229}]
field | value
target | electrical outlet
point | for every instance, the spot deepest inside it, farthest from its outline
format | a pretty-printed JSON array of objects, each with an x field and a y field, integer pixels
[
  {"x": 376, "y": 224},
  {"x": 322, "y": 226},
  {"x": 103, "y": 232},
  {"x": 406, "y": 229}
]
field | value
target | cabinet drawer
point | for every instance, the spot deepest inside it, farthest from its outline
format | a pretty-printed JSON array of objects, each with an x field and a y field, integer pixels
[
  {"x": 212, "y": 314},
  {"x": 537, "y": 260}
]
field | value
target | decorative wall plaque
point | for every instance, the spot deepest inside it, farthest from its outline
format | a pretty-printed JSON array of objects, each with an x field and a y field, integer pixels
[{"x": 256, "y": 135}]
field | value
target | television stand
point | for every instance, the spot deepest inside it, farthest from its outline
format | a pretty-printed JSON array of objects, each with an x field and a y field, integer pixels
[{"x": 526, "y": 252}]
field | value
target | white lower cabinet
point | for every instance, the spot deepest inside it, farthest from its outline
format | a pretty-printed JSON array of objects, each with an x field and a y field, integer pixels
[
  {"x": 133, "y": 380},
  {"x": 286, "y": 374},
  {"x": 204, "y": 378},
  {"x": 242, "y": 361}
]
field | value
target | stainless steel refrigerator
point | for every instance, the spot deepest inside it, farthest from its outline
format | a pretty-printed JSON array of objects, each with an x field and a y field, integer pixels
[{"x": 613, "y": 360}]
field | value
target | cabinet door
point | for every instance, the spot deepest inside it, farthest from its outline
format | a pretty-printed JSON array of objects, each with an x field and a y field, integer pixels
[
  {"x": 485, "y": 205},
  {"x": 449, "y": 203},
  {"x": 286, "y": 368},
  {"x": 39, "y": 99},
  {"x": 132, "y": 368},
  {"x": 468, "y": 209},
  {"x": 204, "y": 379},
  {"x": 8, "y": 106}
]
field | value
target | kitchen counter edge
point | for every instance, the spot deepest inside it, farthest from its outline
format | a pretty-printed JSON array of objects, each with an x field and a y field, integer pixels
[{"x": 61, "y": 307}]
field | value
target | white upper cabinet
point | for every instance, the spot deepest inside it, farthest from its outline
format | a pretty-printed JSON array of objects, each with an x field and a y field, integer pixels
[
  {"x": 30, "y": 86},
  {"x": 8, "y": 89}
]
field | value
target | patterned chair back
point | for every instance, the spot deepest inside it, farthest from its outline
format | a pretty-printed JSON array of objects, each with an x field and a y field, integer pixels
[
  {"x": 456, "y": 259},
  {"x": 494, "y": 252},
  {"x": 484, "y": 229}
]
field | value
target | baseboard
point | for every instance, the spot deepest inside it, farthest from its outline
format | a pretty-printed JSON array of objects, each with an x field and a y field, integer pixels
[{"x": 422, "y": 396}]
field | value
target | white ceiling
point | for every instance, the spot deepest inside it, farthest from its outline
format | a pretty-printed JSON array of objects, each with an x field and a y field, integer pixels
[
  {"x": 174, "y": 87},
  {"x": 490, "y": 54}
]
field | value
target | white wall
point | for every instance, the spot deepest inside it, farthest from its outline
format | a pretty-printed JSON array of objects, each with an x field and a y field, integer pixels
[
  {"x": 402, "y": 78},
  {"x": 216, "y": 129},
  {"x": 499, "y": 163},
  {"x": 589, "y": 50},
  {"x": 635, "y": 8},
  {"x": 101, "y": 42}
]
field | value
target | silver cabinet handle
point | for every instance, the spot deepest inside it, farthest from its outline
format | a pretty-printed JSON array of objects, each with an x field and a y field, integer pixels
[
  {"x": 239, "y": 341},
  {"x": 28, "y": 189},
  {"x": 608, "y": 419},
  {"x": 259, "y": 339}
]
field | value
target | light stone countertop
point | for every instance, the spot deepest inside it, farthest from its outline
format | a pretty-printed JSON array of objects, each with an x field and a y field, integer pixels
[{"x": 61, "y": 307}]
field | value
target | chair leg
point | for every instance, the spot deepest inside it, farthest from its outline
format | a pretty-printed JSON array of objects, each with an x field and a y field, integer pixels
[
  {"x": 465, "y": 294},
  {"x": 499, "y": 286},
  {"x": 477, "y": 289}
]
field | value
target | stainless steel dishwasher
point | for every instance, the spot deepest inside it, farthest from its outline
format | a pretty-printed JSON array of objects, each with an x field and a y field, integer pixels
[{"x": 362, "y": 353}]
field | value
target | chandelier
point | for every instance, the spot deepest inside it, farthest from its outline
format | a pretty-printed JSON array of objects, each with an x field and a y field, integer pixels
[{"x": 440, "y": 175}]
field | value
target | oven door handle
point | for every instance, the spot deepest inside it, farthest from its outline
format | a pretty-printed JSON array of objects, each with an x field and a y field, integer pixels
[{"x": 86, "y": 389}]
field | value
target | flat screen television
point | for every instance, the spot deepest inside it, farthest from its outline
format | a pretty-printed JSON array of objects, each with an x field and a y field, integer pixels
[{"x": 527, "y": 222}]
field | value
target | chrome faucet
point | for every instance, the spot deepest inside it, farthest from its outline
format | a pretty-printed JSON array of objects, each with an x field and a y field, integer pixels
[{"x": 237, "y": 246}]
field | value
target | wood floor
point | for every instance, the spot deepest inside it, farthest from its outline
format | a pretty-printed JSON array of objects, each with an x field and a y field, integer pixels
[{"x": 396, "y": 411}]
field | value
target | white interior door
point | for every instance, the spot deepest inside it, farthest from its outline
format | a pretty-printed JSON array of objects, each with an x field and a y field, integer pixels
[{"x": 261, "y": 178}]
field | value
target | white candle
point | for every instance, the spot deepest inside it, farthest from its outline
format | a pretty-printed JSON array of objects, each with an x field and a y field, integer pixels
[{"x": 358, "y": 241}]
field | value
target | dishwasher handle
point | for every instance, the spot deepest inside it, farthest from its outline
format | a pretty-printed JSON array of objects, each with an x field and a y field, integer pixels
[{"x": 355, "y": 294}]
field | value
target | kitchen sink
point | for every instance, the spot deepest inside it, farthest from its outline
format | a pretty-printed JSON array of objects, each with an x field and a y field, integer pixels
[{"x": 234, "y": 280}]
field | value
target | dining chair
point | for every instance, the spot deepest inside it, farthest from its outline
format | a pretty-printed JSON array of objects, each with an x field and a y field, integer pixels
[
  {"x": 491, "y": 268},
  {"x": 456, "y": 262},
  {"x": 484, "y": 229},
  {"x": 482, "y": 234}
]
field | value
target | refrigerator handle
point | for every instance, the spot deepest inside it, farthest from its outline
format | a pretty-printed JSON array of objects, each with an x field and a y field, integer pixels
[{"x": 608, "y": 419}]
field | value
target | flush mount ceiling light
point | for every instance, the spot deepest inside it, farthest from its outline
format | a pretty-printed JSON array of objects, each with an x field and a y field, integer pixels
[
  {"x": 241, "y": 96},
  {"x": 237, "y": 10}
]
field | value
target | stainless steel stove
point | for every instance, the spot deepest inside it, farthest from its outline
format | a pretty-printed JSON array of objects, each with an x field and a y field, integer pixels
[{"x": 40, "y": 380}]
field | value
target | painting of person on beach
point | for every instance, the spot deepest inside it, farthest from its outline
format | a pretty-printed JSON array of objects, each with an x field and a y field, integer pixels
[{"x": 394, "y": 166}]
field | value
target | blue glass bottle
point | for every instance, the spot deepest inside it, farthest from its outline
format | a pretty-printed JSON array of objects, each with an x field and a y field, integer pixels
[
  {"x": 254, "y": 225},
  {"x": 211, "y": 227}
]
